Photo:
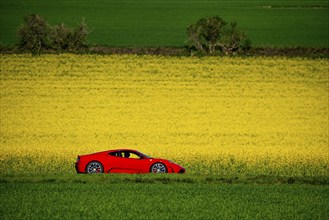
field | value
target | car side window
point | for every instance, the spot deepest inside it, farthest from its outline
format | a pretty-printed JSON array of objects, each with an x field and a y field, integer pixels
[
  {"x": 130, "y": 155},
  {"x": 116, "y": 154},
  {"x": 126, "y": 154},
  {"x": 134, "y": 156}
]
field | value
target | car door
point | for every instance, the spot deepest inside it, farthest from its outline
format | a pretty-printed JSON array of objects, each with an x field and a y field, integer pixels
[
  {"x": 114, "y": 162},
  {"x": 133, "y": 163},
  {"x": 130, "y": 162}
]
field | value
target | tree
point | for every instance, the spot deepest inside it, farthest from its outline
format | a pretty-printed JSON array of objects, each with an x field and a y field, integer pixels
[
  {"x": 34, "y": 34},
  {"x": 234, "y": 40},
  {"x": 68, "y": 39},
  {"x": 211, "y": 34},
  {"x": 205, "y": 34}
]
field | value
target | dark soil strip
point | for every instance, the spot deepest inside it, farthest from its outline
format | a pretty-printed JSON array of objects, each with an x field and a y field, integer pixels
[{"x": 182, "y": 51}]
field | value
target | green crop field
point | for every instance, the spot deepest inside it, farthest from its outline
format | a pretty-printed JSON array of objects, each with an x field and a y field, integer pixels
[
  {"x": 99, "y": 198},
  {"x": 163, "y": 23}
]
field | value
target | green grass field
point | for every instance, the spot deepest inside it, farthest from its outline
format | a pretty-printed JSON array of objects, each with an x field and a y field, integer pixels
[
  {"x": 163, "y": 23},
  {"x": 119, "y": 197}
]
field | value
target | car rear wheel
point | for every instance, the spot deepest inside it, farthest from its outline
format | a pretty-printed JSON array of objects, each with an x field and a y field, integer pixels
[
  {"x": 158, "y": 168},
  {"x": 94, "y": 167}
]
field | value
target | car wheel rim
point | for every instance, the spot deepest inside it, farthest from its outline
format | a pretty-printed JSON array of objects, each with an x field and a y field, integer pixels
[
  {"x": 94, "y": 167},
  {"x": 159, "y": 168}
]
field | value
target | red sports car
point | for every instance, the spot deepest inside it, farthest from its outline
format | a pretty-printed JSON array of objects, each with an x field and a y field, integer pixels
[{"x": 124, "y": 161}]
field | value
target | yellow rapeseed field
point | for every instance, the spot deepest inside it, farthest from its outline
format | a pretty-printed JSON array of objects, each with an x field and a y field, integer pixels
[{"x": 213, "y": 115}]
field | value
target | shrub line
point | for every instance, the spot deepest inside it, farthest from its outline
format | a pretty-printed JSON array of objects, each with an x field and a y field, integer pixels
[{"x": 308, "y": 52}]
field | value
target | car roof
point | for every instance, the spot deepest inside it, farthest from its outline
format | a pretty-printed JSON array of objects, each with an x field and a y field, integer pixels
[
  {"x": 110, "y": 151},
  {"x": 122, "y": 149}
]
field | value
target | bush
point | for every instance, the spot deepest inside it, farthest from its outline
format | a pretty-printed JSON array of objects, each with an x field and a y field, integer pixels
[
  {"x": 61, "y": 37},
  {"x": 36, "y": 35},
  {"x": 79, "y": 38},
  {"x": 211, "y": 34},
  {"x": 234, "y": 40},
  {"x": 204, "y": 35},
  {"x": 67, "y": 39}
]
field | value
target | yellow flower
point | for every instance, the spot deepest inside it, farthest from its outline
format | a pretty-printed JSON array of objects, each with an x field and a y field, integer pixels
[{"x": 213, "y": 115}]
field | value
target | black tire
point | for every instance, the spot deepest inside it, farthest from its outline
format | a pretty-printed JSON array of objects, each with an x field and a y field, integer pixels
[
  {"x": 158, "y": 168},
  {"x": 94, "y": 167}
]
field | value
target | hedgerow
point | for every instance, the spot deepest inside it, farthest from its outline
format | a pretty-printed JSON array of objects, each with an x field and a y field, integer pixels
[{"x": 36, "y": 35}]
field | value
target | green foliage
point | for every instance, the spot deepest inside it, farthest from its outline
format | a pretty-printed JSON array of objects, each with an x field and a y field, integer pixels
[
  {"x": 211, "y": 34},
  {"x": 164, "y": 179},
  {"x": 234, "y": 40},
  {"x": 205, "y": 34},
  {"x": 68, "y": 39},
  {"x": 62, "y": 37},
  {"x": 36, "y": 35}
]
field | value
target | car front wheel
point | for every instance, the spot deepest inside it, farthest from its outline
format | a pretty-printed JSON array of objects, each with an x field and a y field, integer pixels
[
  {"x": 94, "y": 167},
  {"x": 158, "y": 168}
]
